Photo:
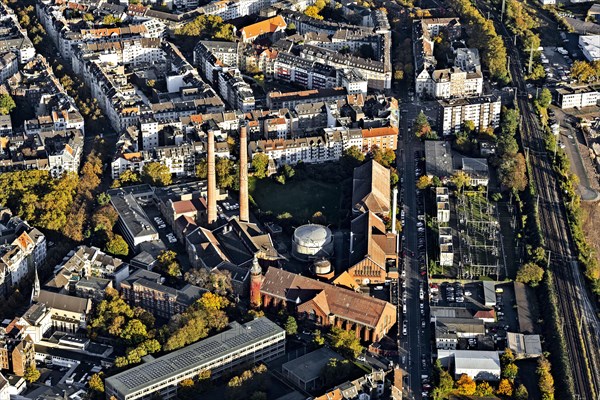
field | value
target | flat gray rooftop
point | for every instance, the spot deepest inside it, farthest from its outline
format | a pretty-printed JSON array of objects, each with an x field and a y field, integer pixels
[
  {"x": 170, "y": 365},
  {"x": 308, "y": 367}
]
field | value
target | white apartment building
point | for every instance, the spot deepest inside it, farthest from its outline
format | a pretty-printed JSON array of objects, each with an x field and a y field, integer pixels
[
  {"x": 577, "y": 97},
  {"x": 449, "y": 83},
  {"x": 484, "y": 112}
]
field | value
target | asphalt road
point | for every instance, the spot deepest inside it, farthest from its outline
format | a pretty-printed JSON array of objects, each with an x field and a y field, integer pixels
[{"x": 416, "y": 343}]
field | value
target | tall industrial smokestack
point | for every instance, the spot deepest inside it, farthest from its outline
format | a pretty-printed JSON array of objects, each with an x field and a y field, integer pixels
[
  {"x": 394, "y": 208},
  {"x": 244, "y": 211},
  {"x": 212, "y": 180}
]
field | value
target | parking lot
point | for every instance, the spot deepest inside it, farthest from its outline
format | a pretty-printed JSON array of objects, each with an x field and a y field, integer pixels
[{"x": 557, "y": 63}]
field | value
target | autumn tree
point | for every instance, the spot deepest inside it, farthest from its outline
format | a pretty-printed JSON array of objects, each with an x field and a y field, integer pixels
[
  {"x": 96, "y": 383},
  {"x": 156, "y": 174},
  {"x": 260, "y": 164},
  {"x": 546, "y": 381},
  {"x": 505, "y": 388},
  {"x": 198, "y": 320},
  {"x": 291, "y": 327},
  {"x": 167, "y": 262},
  {"x": 521, "y": 393},
  {"x": 421, "y": 126},
  {"x": 385, "y": 157},
  {"x": 7, "y": 104},
  {"x": 424, "y": 182},
  {"x": 127, "y": 178},
  {"x": 117, "y": 246},
  {"x": 513, "y": 173},
  {"x": 111, "y": 20},
  {"x": 346, "y": 342},
  {"x": 207, "y": 27},
  {"x": 465, "y": 385},
  {"x": 484, "y": 389},
  {"x": 444, "y": 382},
  {"x": 460, "y": 179},
  {"x": 545, "y": 98},
  {"x": 510, "y": 371},
  {"x": 318, "y": 339},
  {"x": 352, "y": 158},
  {"x": 31, "y": 373},
  {"x": 217, "y": 281},
  {"x": 530, "y": 273}
]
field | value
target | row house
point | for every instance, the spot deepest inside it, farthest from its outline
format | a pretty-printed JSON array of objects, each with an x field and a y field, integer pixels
[
  {"x": 315, "y": 149},
  {"x": 24, "y": 249},
  {"x": 378, "y": 73}
]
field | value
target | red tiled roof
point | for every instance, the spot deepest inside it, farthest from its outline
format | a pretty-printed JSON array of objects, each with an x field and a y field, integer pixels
[
  {"x": 344, "y": 303},
  {"x": 270, "y": 25}
]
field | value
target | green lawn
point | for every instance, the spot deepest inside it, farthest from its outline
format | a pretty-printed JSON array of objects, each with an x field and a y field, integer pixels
[{"x": 301, "y": 198}]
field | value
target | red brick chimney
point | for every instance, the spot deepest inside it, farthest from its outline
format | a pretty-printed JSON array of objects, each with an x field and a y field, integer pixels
[
  {"x": 244, "y": 210},
  {"x": 212, "y": 180}
]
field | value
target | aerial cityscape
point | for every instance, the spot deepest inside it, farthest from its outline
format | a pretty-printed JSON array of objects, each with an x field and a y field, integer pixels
[{"x": 299, "y": 199}]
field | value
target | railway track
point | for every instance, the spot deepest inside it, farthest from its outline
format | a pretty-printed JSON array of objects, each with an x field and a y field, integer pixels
[{"x": 581, "y": 348}]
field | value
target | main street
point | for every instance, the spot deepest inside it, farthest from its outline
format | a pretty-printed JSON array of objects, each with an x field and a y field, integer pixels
[
  {"x": 415, "y": 344},
  {"x": 580, "y": 324}
]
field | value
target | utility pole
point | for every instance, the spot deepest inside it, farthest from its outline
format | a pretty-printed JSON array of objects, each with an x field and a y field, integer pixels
[{"x": 502, "y": 13}]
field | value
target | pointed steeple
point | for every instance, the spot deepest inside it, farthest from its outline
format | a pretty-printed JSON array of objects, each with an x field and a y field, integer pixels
[
  {"x": 255, "y": 283},
  {"x": 36, "y": 286},
  {"x": 256, "y": 269}
]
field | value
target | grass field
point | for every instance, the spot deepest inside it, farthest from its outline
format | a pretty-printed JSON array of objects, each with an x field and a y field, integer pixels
[{"x": 300, "y": 198}]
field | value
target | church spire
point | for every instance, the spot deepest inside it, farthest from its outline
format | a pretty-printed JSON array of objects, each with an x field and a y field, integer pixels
[{"x": 36, "y": 286}]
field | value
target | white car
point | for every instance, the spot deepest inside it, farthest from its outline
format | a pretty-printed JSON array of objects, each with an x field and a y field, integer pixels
[{"x": 162, "y": 226}]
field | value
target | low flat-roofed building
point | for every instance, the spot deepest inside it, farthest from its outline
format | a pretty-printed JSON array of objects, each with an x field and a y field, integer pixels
[
  {"x": 477, "y": 169},
  {"x": 479, "y": 365},
  {"x": 305, "y": 371},
  {"x": 489, "y": 293},
  {"x": 524, "y": 346},
  {"x": 255, "y": 341},
  {"x": 576, "y": 97},
  {"x": 438, "y": 159},
  {"x": 590, "y": 46}
]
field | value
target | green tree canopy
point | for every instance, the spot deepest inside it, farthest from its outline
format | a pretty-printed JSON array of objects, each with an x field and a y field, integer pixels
[
  {"x": 346, "y": 342},
  {"x": 260, "y": 164},
  {"x": 7, "y": 104},
  {"x": 31, "y": 373},
  {"x": 156, "y": 174},
  {"x": 545, "y": 98},
  {"x": 460, "y": 179},
  {"x": 513, "y": 173},
  {"x": 117, "y": 246},
  {"x": 530, "y": 273},
  {"x": 291, "y": 327},
  {"x": 96, "y": 383},
  {"x": 167, "y": 262},
  {"x": 421, "y": 126}
]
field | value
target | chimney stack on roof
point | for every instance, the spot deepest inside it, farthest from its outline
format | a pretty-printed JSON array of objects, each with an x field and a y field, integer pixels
[
  {"x": 244, "y": 210},
  {"x": 212, "y": 180}
]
